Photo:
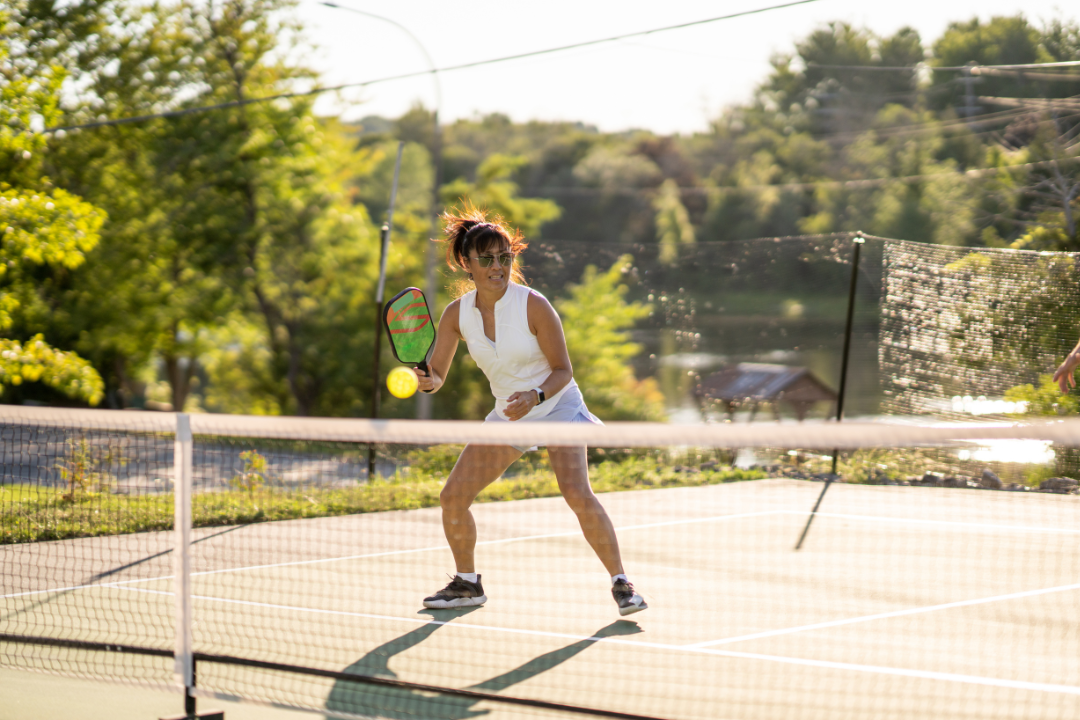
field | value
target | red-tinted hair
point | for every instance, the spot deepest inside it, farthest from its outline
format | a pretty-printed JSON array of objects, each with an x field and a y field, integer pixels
[{"x": 469, "y": 228}]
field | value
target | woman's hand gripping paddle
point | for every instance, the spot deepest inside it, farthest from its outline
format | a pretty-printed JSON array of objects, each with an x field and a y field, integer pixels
[{"x": 409, "y": 326}]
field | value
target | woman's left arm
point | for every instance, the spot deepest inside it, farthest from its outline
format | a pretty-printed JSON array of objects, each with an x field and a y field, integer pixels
[{"x": 545, "y": 324}]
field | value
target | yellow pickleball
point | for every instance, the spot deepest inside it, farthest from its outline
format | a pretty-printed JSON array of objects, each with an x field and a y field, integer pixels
[{"x": 402, "y": 382}]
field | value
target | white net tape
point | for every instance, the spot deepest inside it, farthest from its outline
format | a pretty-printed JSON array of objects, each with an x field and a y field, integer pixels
[{"x": 830, "y": 435}]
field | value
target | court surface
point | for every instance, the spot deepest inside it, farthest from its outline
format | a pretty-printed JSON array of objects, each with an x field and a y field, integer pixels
[{"x": 904, "y": 602}]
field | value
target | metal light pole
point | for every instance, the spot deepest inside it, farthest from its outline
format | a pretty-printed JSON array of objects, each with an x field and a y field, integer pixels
[
  {"x": 423, "y": 400},
  {"x": 384, "y": 242}
]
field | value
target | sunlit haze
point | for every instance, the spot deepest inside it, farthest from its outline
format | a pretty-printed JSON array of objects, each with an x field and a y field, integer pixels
[{"x": 670, "y": 82}]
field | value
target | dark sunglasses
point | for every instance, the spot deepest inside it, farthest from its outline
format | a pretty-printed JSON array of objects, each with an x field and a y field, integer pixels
[{"x": 505, "y": 259}]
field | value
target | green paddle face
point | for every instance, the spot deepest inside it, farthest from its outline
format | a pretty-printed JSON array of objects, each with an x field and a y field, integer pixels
[{"x": 409, "y": 325}]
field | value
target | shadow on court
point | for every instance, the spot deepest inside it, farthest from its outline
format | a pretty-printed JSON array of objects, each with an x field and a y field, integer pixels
[
  {"x": 361, "y": 699},
  {"x": 98, "y": 577}
]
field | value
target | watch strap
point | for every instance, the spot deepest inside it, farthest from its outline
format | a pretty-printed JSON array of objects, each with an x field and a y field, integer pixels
[{"x": 540, "y": 397}]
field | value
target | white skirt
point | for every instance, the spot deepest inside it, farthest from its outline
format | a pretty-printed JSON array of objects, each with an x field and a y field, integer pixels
[{"x": 570, "y": 408}]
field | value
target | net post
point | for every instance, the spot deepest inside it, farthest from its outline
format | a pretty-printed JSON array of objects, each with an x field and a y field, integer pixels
[
  {"x": 184, "y": 666},
  {"x": 190, "y": 708},
  {"x": 857, "y": 242}
]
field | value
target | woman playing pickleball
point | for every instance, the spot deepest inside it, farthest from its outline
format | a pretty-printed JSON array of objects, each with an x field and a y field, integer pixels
[{"x": 516, "y": 338}]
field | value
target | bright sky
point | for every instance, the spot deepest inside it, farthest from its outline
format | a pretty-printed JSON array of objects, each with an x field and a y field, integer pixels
[{"x": 666, "y": 82}]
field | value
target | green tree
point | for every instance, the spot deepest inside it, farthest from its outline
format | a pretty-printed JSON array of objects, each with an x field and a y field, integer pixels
[
  {"x": 159, "y": 280},
  {"x": 745, "y": 202},
  {"x": 596, "y": 320},
  {"x": 940, "y": 206},
  {"x": 1001, "y": 41},
  {"x": 495, "y": 191},
  {"x": 42, "y": 228},
  {"x": 1046, "y": 399},
  {"x": 254, "y": 227},
  {"x": 234, "y": 236},
  {"x": 673, "y": 226},
  {"x": 307, "y": 254},
  {"x": 829, "y": 92}
]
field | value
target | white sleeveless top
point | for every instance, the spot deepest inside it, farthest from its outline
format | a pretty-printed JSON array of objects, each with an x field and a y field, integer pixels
[{"x": 514, "y": 362}]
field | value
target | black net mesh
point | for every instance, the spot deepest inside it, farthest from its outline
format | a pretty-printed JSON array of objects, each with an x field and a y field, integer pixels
[
  {"x": 962, "y": 326},
  {"x": 771, "y": 301},
  {"x": 86, "y": 514},
  {"x": 943, "y": 596}
]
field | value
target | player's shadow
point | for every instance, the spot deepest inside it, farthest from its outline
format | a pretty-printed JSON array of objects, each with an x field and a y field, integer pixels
[{"x": 399, "y": 704}]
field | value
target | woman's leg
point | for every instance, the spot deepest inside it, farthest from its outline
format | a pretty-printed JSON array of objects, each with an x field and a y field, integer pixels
[
  {"x": 572, "y": 471},
  {"x": 478, "y": 467}
]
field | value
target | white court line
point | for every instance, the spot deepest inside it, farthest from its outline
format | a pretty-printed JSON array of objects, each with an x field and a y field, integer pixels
[
  {"x": 805, "y": 662},
  {"x": 904, "y": 672},
  {"x": 520, "y": 538},
  {"x": 885, "y": 616},
  {"x": 920, "y": 521},
  {"x": 573, "y": 533}
]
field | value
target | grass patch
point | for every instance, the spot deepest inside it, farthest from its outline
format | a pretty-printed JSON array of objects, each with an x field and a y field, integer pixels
[{"x": 30, "y": 513}]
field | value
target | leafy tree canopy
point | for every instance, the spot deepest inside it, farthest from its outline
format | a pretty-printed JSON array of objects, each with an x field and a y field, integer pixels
[
  {"x": 596, "y": 320},
  {"x": 40, "y": 226}
]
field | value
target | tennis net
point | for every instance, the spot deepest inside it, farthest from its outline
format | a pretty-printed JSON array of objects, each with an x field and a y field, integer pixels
[{"x": 939, "y": 577}]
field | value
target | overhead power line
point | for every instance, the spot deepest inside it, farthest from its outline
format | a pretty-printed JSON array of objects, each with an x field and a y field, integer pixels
[
  {"x": 998, "y": 72},
  {"x": 1063, "y": 103},
  {"x": 931, "y": 127},
  {"x": 1035, "y": 66},
  {"x": 402, "y": 76},
  {"x": 948, "y": 68}
]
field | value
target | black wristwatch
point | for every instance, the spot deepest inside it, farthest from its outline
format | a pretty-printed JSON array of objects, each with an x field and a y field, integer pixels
[{"x": 540, "y": 397}]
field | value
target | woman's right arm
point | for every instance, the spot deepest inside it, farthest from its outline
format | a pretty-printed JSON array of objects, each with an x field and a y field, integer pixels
[{"x": 446, "y": 342}]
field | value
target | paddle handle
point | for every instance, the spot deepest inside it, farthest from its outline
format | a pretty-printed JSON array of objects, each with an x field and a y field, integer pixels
[{"x": 424, "y": 366}]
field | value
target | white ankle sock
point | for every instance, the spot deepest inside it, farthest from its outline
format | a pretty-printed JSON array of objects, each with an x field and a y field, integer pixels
[
  {"x": 614, "y": 578},
  {"x": 471, "y": 577}
]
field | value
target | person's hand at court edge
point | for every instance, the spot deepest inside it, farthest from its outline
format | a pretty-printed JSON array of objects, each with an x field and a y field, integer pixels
[{"x": 1063, "y": 376}]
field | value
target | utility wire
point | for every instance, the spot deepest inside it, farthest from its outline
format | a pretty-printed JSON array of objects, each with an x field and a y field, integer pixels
[
  {"x": 1051, "y": 77},
  {"x": 402, "y": 28},
  {"x": 402, "y": 76},
  {"x": 944, "y": 68},
  {"x": 932, "y": 126}
]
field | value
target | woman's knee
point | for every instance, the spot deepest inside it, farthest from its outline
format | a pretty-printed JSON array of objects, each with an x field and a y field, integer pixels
[
  {"x": 455, "y": 496},
  {"x": 580, "y": 497}
]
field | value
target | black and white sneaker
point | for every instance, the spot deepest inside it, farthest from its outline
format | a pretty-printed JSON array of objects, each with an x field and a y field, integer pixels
[
  {"x": 629, "y": 601},
  {"x": 459, "y": 593}
]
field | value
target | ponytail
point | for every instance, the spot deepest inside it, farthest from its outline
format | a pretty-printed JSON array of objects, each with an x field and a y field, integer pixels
[{"x": 467, "y": 229}]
